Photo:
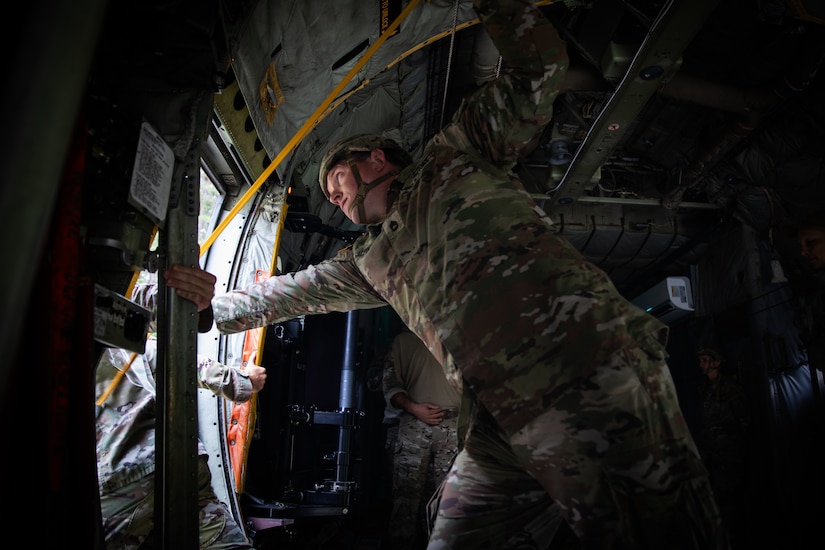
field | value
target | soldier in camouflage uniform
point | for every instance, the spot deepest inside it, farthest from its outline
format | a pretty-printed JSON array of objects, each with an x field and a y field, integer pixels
[
  {"x": 125, "y": 428},
  {"x": 573, "y": 399},
  {"x": 809, "y": 287},
  {"x": 721, "y": 437},
  {"x": 427, "y": 442}
]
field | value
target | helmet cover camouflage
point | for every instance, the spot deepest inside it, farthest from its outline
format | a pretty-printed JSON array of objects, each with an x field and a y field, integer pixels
[
  {"x": 713, "y": 353},
  {"x": 359, "y": 143}
]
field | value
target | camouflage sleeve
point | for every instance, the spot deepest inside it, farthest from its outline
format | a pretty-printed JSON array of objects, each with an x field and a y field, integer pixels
[
  {"x": 503, "y": 118},
  {"x": 332, "y": 285},
  {"x": 228, "y": 382}
]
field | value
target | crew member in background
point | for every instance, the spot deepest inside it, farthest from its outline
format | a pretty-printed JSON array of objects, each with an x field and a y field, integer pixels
[
  {"x": 125, "y": 429},
  {"x": 427, "y": 441},
  {"x": 810, "y": 235},
  {"x": 722, "y": 437}
]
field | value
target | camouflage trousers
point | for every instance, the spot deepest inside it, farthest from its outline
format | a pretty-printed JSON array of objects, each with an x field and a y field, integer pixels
[
  {"x": 613, "y": 451},
  {"x": 128, "y": 516},
  {"x": 422, "y": 457}
]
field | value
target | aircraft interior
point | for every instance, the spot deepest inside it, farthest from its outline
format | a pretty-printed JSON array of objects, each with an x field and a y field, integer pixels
[{"x": 687, "y": 142}]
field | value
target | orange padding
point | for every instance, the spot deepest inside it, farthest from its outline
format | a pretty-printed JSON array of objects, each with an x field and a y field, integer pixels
[{"x": 242, "y": 420}]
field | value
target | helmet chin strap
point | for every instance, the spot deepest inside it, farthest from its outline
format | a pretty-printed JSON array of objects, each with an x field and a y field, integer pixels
[{"x": 364, "y": 188}]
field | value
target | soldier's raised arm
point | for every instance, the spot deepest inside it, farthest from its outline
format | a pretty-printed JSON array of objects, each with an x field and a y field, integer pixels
[{"x": 504, "y": 118}]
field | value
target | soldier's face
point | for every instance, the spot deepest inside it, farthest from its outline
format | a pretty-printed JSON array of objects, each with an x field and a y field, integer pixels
[
  {"x": 342, "y": 186},
  {"x": 812, "y": 244},
  {"x": 707, "y": 364}
]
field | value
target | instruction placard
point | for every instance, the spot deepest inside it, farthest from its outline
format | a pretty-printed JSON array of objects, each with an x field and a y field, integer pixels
[{"x": 152, "y": 175}]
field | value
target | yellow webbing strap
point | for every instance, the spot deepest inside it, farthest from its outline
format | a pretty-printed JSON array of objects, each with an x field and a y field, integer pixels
[
  {"x": 115, "y": 381},
  {"x": 120, "y": 373}
]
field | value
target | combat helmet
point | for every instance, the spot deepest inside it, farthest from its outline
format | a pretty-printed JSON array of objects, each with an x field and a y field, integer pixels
[
  {"x": 363, "y": 143},
  {"x": 711, "y": 352}
]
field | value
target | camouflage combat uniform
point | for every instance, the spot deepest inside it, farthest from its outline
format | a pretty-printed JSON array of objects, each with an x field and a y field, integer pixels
[
  {"x": 125, "y": 429},
  {"x": 574, "y": 397},
  {"x": 722, "y": 442},
  {"x": 423, "y": 453}
]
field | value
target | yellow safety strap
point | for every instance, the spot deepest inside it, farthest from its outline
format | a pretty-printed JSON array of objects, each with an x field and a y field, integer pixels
[
  {"x": 306, "y": 127},
  {"x": 115, "y": 381}
]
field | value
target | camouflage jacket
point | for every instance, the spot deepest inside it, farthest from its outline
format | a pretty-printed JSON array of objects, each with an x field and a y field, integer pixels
[
  {"x": 465, "y": 255},
  {"x": 125, "y": 425},
  {"x": 724, "y": 415}
]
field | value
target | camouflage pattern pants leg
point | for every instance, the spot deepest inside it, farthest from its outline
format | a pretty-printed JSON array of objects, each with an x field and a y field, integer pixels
[
  {"x": 615, "y": 452},
  {"x": 423, "y": 456},
  {"x": 128, "y": 516},
  {"x": 488, "y": 500}
]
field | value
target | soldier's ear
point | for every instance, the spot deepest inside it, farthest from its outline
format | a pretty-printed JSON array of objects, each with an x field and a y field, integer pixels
[{"x": 378, "y": 158}]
